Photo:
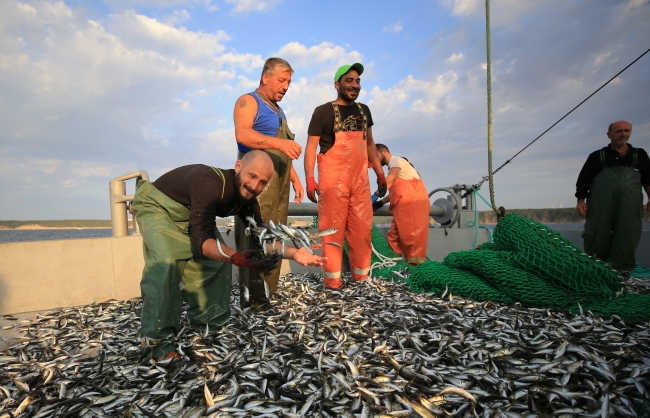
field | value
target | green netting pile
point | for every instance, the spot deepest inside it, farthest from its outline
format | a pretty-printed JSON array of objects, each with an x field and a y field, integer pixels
[{"x": 527, "y": 263}]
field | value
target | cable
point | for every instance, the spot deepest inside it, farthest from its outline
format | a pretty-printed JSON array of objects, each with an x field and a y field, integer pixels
[
  {"x": 479, "y": 195},
  {"x": 562, "y": 118},
  {"x": 489, "y": 103},
  {"x": 474, "y": 223},
  {"x": 489, "y": 232}
]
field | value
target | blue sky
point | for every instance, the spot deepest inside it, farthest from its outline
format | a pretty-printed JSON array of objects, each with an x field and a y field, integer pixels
[{"x": 91, "y": 90}]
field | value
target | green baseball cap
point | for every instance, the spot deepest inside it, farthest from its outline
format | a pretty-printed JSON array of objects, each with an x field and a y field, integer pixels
[{"x": 345, "y": 68}]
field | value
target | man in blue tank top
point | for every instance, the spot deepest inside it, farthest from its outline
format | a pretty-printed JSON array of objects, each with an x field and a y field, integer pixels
[{"x": 261, "y": 124}]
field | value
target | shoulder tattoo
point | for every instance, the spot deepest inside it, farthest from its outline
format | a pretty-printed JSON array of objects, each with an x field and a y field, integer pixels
[{"x": 242, "y": 103}]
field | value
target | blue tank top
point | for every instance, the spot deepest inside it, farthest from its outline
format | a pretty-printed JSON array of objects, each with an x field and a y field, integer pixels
[{"x": 267, "y": 120}]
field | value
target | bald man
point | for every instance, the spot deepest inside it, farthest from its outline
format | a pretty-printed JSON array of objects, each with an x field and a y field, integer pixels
[
  {"x": 611, "y": 181},
  {"x": 185, "y": 257}
]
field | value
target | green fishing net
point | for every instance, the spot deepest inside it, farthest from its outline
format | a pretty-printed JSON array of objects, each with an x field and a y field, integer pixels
[
  {"x": 495, "y": 271},
  {"x": 527, "y": 263},
  {"x": 437, "y": 277}
]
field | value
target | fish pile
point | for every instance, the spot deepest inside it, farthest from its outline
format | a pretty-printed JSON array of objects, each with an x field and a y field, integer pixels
[
  {"x": 273, "y": 233},
  {"x": 372, "y": 348},
  {"x": 640, "y": 285}
]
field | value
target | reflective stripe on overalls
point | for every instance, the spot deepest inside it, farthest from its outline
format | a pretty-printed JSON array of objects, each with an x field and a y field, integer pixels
[
  {"x": 614, "y": 215},
  {"x": 344, "y": 201}
]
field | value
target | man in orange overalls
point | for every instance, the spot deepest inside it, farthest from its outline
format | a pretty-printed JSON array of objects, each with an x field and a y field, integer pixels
[
  {"x": 409, "y": 204},
  {"x": 343, "y": 130}
]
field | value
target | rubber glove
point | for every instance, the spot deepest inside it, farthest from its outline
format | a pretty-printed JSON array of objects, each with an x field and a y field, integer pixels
[
  {"x": 312, "y": 189},
  {"x": 247, "y": 259},
  {"x": 377, "y": 204}
]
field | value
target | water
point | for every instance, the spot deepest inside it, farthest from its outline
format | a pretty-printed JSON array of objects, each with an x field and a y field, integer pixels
[{"x": 23, "y": 235}]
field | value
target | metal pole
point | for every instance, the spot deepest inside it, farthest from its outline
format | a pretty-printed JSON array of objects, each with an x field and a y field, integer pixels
[
  {"x": 119, "y": 221},
  {"x": 118, "y": 201}
]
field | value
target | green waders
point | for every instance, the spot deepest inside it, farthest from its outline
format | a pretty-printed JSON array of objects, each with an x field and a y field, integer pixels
[
  {"x": 174, "y": 273},
  {"x": 614, "y": 216},
  {"x": 274, "y": 206}
]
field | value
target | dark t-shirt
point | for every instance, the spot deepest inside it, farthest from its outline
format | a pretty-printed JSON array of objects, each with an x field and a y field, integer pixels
[
  {"x": 208, "y": 193},
  {"x": 593, "y": 167},
  {"x": 322, "y": 122}
]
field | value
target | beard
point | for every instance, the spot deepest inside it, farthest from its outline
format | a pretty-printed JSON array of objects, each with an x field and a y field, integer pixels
[
  {"x": 346, "y": 95},
  {"x": 238, "y": 187}
]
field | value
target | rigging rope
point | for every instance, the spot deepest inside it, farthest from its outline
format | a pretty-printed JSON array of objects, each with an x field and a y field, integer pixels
[
  {"x": 489, "y": 101},
  {"x": 551, "y": 127}
]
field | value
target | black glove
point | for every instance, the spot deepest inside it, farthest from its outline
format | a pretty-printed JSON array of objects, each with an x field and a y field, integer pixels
[
  {"x": 377, "y": 204},
  {"x": 251, "y": 260}
]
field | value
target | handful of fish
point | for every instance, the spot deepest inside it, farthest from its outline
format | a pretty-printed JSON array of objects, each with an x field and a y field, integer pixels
[
  {"x": 271, "y": 234},
  {"x": 372, "y": 349}
]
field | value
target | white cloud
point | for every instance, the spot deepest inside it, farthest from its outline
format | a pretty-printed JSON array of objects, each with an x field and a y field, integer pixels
[
  {"x": 462, "y": 7},
  {"x": 85, "y": 100},
  {"x": 144, "y": 33},
  {"x": 151, "y": 134},
  {"x": 394, "y": 27},
  {"x": 86, "y": 169},
  {"x": 632, "y": 5},
  {"x": 246, "y": 84},
  {"x": 207, "y": 4},
  {"x": 177, "y": 17},
  {"x": 503, "y": 12},
  {"x": 223, "y": 140},
  {"x": 300, "y": 55},
  {"x": 126, "y": 92},
  {"x": 247, "y": 6},
  {"x": 602, "y": 58},
  {"x": 420, "y": 95},
  {"x": 454, "y": 58}
]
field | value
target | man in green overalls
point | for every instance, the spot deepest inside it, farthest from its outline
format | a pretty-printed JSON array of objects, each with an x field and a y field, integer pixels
[
  {"x": 185, "y": 257},
  {"x": 611, "y": 181},
  {"x": 261, "y": 124}
]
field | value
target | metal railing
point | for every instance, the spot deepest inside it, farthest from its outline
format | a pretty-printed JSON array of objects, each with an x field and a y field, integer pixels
[
  {"x": 311, "y": 209},
  {"x": 120, "y": 206}
]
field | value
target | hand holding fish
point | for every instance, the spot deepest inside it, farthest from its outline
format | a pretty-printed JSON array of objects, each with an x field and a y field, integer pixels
[
  {"x": 272, "y": 237},
  {"x": 250, "y": 260}
]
